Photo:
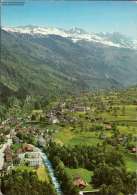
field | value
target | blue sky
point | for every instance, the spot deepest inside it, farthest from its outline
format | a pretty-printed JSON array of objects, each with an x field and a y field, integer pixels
[{"x": 101, "y": 16}]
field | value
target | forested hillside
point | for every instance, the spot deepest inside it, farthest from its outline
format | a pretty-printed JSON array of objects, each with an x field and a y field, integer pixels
[{"x": 35, "y": 64}]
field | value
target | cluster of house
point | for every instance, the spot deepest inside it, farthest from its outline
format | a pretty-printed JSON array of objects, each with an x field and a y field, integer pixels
[
  {"x": 25, "y": 155},
  {"x": 5, "y": 127},
  {"x": 39, "y": 115},
  {"x": 57, "y": 114},
  {"x": 29, "y": 156},
  {"x": 77, "y": 108}
]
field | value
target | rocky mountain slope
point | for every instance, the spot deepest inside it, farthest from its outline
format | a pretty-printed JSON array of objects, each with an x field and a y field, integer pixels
[{"x": 49, "y": 60}]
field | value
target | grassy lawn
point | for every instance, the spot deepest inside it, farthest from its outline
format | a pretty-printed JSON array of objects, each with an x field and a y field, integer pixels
[
  {"x": 130, "y": 114},
  {"x": 23, "y": 168},
  {"x": 127, "y": 129},
  {"x": 131, "y": 162},
  {"x": 128, "y": 125},
  {"x": 68, "y": 137},
  {"x": 42, "y": 174},
  {"x": 64, "y": 135},
  {"x": 84, "y": 140},
  {"x": 83, "y": 173}
]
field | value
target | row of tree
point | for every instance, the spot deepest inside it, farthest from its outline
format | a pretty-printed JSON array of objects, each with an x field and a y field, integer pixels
[
  {"x": 66, "y": 181},
  {"x": 25, "y": 183},
  {"x": 85, "y": 156},
  {"x": 114, "y": 180}
]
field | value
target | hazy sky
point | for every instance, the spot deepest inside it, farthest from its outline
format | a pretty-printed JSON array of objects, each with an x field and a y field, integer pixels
[{"x": 101, "y": 16}]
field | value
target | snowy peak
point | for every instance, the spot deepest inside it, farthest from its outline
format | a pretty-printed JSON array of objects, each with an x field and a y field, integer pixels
[
  {"x": 77, "y": 34},
  {"x": 76, "y": 30},
  {"x": 36, "y": 30}
]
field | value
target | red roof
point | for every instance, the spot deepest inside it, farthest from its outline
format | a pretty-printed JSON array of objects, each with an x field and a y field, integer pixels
[
  {"x": 79, "y": 182},
  {"x": 27, "y": 148},
  {"x": 134, "y": 149}
]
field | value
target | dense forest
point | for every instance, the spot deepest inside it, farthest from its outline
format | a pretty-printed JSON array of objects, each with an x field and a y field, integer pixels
[{"x": 20, "y": 183}]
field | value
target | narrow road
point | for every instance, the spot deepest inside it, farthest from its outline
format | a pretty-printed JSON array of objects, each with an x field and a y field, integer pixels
[{"x": 4, "y": 146}]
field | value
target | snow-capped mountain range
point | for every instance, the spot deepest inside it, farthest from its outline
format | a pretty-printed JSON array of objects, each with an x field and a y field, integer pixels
[
  {"x": 40, "y": 60},
  {"x": 77, "y": 34}
]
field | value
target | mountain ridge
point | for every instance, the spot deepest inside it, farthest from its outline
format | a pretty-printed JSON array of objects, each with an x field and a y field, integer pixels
[
  {"x": 54, "y": 64},
  {"x": 77, "y": 34}
]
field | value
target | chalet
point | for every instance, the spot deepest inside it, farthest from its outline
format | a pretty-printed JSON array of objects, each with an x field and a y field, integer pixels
[
  {"x": 79, "y": 182},
  {"x": 108, "y": 126},
  {"x": 98, "y": 119},
  {"x": 33, "y": 159},
  {"x": 8, "y": 154},
  {"x": 62, "y": 104},
  {"x": 7, "y": 136},
  {"x": 27, "y": 148},
  {"x": 58, "y": 113},
  {"x": 12, "y": 133},
  {"x": 80, "y": 109},
  {"x": 16, "y": 140},
  {"x": 19, "y": 151},
  {"x": 33, "y": 155},
  {"x": 120, "y": 139},
  {"x": 16, "y": 160},
  {"x": 1, "y": 126},
  {"x": 35, "y": 162},
  {"x": 53, "y": 119},
  {"x": 37, "y": 115},
  {"x": 103, "y": 136},
  {"x": 1, "y": 162},
  {"x": 134, "y": 150}
]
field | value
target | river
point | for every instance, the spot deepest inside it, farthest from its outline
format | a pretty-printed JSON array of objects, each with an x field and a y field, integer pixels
[{"x": 51, "y": 172}]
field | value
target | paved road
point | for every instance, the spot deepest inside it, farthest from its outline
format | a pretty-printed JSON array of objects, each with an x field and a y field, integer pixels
[{"x": 4, "y": 146}]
